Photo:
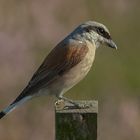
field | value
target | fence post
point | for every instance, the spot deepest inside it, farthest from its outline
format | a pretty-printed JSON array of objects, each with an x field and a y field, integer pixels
[{"x": 77, "y": 124}]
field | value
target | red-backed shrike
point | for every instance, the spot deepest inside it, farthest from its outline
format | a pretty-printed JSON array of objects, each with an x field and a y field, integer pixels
[{"x": 66, "y": 65}]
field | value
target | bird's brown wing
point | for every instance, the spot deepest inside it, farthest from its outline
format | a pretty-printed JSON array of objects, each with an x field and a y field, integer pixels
[{"x": 61, "y": 59}]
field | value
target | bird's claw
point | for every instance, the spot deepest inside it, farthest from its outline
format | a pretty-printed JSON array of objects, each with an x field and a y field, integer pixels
[{"x": 60, "y": 104}]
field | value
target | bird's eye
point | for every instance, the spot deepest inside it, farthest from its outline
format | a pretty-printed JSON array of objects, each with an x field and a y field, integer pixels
[{"x": 103, "y": 33}]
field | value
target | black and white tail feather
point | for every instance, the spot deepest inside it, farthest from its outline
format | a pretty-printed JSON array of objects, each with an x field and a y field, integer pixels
[{"x": 19, "y": 101}]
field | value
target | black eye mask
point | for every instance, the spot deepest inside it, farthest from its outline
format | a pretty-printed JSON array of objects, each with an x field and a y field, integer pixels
[
  {"x": 102, "y": 32},
  {"x": 99, "y": 30}
]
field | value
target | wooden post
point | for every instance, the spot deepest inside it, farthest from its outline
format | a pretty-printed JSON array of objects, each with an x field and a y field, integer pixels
[{"x": 77, "y": 124}]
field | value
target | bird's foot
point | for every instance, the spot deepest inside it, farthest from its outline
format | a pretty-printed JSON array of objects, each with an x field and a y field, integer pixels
[
  {"x": 65, "y": 103},
  {"x": 60, "y": 104}
]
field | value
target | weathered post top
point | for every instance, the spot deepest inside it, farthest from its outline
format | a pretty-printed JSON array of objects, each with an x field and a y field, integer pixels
[{"x": 75, "y": 123}]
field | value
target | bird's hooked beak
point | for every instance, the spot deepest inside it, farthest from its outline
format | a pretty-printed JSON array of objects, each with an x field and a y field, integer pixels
[{"x": 110, "y": 43}]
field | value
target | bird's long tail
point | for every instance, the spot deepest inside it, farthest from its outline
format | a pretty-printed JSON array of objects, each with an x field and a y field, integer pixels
[{"x": 12, "y": 106}]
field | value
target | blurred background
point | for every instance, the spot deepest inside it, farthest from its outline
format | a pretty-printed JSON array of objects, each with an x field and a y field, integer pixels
[{"x": 29, "y": 29}]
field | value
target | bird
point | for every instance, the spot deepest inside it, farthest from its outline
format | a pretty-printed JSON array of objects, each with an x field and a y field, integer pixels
[{"x": 66, "y": 64}]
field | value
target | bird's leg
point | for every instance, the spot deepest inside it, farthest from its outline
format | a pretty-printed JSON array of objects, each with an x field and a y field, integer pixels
[{"x": 60, "y": 104}]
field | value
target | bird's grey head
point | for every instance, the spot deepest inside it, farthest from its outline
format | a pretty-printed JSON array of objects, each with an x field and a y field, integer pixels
[{"x": 94, "y": 32}]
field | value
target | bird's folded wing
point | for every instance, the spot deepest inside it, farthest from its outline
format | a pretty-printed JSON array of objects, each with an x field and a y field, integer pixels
[{"x": 60, "y": 60}]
